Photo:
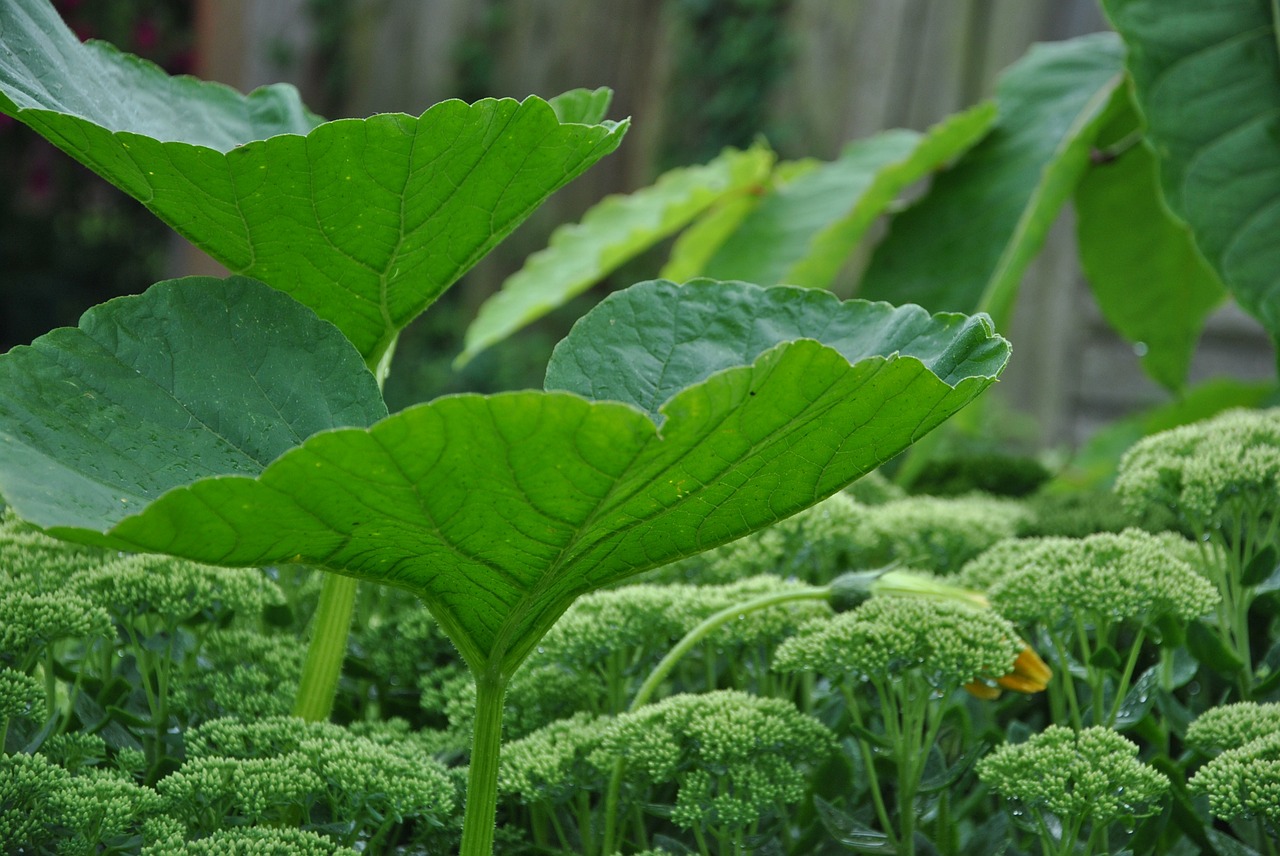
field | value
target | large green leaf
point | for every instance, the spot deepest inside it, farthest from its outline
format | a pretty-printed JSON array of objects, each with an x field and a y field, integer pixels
[
  {"x": 500, "y": 510},
  {"x": 965, "y": 245},
  {"x": 804, "y": 231},
  {"x": 199, "y": 377},
  {"x": 1207, "y": 77},
  {"x": 1151, "y": 282},
  {"x": 365, "y": 221},
  {"x": 612, "y": 232}
]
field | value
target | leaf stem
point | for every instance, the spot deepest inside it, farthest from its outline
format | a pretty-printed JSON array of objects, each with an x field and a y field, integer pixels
[
  {"x": 327, "y": 648},
  {"x": 482, "y": 778}
]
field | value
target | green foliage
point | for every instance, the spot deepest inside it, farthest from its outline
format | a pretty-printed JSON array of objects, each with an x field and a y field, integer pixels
[
  {"x": 263, "y": 186},
  {"x": 966, "y": 244},
  {"x": 612, "y": 232},
  {"x": 1002, "y": 475},
  {"x": 1202, "y": 77},
  {"x": 804, "y": 230},
  {"x": 1074, "y": 784},
  {"x": 1120, "y": 195}
]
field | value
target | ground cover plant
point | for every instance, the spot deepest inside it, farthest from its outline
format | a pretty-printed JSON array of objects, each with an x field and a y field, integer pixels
[{"x": 638, "y": 611}]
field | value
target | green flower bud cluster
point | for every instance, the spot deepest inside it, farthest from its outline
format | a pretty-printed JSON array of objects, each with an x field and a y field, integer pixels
[
  {"x": 1091, "y": 776},
  {"x": 950, "y": 644},
  {"x": 1126, "y": 577},
  {"x": 1202, "y": 469}
]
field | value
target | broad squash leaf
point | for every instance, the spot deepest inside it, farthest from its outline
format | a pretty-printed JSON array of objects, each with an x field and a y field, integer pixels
[
  {"x": 497, "y": 510},
  {"x": 1151, "y": 282},
  {"x": 617, "y": 229},
  {"x": 365, "y": 221},
  {"x": 1207, "y": 77},
  {"x": 199, "y": 377},
  {"x": 965, "y": 245},
  {"x": 805, "y": 230}
]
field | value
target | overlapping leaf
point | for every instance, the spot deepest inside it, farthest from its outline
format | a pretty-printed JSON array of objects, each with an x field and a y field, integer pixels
[
  {"x": 365, "y": 221},
  {"x": 1151, "y": 282},
  {"x": 804, "y": 231},
  {"x": 965, "y": 245},
  {"x": 615, "y": 230},
  {"x": 1207, "y": 78},
  {"x": 497, "y": 510}
]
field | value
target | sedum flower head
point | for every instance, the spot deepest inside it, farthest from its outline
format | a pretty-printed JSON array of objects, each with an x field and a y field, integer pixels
[
  {"x": 175, "y": 589},
  {"x": 31, "y": 621},
  {"x": 1200, "y": 469},
  {"x": 1093, "y": 774},
  {"x": 734, "y": 757},
  {"x": 555, "y": 762},
  {"x": 951, "y": 644},
  {"x": 1244, "y": 782},
  {"x": 1129, "y": 576},
  {"x": 936, "y": 533},
  {"x": 1231, "y": 726}
]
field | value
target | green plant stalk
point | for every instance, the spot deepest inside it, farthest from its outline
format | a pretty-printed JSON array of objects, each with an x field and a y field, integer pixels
[
  {"x": 664, "y": 667},
  {"x": 869, "y": 762},
  {"x": 1122, "y": 686},
  {"x": 482, "y": 779},
  {"x": 327, "y": 648}
]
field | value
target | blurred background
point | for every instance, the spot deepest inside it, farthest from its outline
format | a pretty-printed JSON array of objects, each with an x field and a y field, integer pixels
[{"x": 695, "y": 76}]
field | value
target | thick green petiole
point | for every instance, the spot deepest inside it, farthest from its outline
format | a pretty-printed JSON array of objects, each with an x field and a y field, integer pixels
[
  {"x": 482, "y": 778},
  {"x": 327, "y": 649}
]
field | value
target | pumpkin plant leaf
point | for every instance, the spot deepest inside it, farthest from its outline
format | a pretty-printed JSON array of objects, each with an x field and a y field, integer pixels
[
  {"x": 1151, "y": 282},
  {"x": 366, "y": 221},
  {"x": 965, "y": 245},
  {"x": 1207, "y": 79},
  {"x": 197, "y": 377},
  {"x": 803, "y": 232},
  {"x": 615, "y": 230},
  {"x": 500, "y": 510}
]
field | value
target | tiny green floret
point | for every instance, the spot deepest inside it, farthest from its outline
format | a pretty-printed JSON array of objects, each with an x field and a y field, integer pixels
[
  {"x": 1074, "y": 783},
  {"x": 910, "y": 655}
]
